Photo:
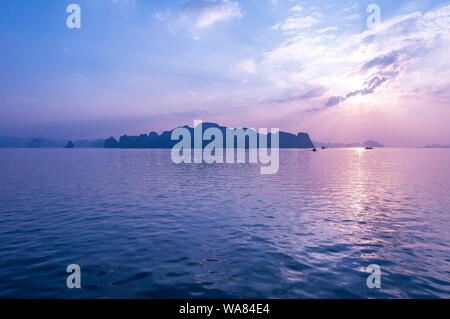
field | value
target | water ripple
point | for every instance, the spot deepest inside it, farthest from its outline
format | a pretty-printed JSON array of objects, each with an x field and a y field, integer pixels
[{"x": 140, "y": 226}]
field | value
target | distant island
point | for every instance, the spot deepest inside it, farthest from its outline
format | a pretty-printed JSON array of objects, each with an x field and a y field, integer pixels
[
  {"x": 69, "y": 145},
  {"x": 437, "y": 146},
  {"x": 163, "y": 140},
  {"x": 372, "y": 144},
  {"x": 153, "y": 140},
  {"x": 43, "y": 142}
]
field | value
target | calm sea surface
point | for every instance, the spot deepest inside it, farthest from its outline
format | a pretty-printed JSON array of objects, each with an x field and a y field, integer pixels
[{"x": 140, "y": 226}]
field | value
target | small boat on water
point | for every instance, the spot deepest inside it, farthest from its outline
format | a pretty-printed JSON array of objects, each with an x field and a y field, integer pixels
[
  {"x": 324, "y": 147},
  {"x": 314, "y": 150},
  {"x": 369, "y": 148}
]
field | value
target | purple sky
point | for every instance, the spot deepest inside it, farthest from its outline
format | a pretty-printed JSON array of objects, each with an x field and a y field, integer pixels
[{"x": 314, "y": 66}]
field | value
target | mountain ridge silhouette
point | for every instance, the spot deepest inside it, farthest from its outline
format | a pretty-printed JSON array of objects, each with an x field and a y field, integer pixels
[{"x": 153, "y": 140}]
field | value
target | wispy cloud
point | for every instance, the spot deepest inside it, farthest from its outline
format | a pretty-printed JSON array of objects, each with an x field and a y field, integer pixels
[
  {"x": 296, "y": 23},
  {"x": 297, "y": 8},
  {"x": 328, "y": 29},
  {"x": 359, "y": 64},
  {"x": 205, "y": 13}
]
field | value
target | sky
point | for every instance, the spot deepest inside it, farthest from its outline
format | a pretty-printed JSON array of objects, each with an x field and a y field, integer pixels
[{"x": 317, "y": 66}]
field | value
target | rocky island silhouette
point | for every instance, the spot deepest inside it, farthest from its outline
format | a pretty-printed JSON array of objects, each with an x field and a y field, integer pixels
[{"x": 153, "y": 140}]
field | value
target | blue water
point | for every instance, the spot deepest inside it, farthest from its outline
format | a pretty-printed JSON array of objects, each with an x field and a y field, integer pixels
[{"x": 140, "y": 226}]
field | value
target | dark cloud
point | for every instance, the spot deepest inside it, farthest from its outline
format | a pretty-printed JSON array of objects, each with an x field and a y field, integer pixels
[
  {"x": 317, "y": 92},
  {"x": 371, "y": 85},
  {"x": 381, "y": 62},
  {"x": 335, "y": 100},
  {"x": 386, "y": 67}
]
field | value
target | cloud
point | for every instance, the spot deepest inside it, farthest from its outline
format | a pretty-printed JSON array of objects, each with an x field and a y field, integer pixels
[
  {"x": 382, "y": 61},
  {"x": 353, "y": 6},
  {"x": 328, "y": 29},
  {"x": 296, "y": 8},
  {"x": 335, "y": 100},
  {"x": 412, "y": 34},
  {"x": 361, "y": 64},
  {"x": 386, "y": 68},
  {"x": 308, "y": 93},
  {"x": 352, "y": 17},
  {"x": 205, "y": 13},
  {"x": 247, "y": 66},
  {"x": 296, "y": 23},
  {"x": 371, "y": 85},
  {"x": 158, "y": 16}
]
